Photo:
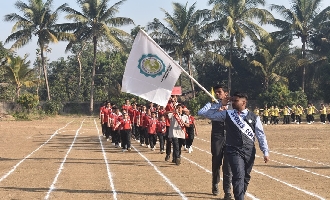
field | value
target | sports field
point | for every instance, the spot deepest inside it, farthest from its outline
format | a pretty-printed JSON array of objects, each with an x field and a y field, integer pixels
[{"x": 66, "y": 158}]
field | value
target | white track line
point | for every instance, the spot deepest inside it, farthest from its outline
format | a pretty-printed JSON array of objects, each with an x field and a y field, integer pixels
[
  {"x": 288, "y": 184},
  {"x": 298, "y": 158},
  {"x": 298, "y": 168},
  {"x": 208, "y": 171},
  {"x": 162, "y": 175},
  {"x": 20, "y": 162},
  {"x": 107, "y": 164},
  {"x": 52, "y": 187}
]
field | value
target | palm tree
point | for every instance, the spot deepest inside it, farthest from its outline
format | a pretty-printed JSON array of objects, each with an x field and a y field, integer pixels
[
  {"x": 37, "y": 20},
  {"x": 18, "y": 72},
  {"x": 237, "y": 19},
  {"x": 304, "y": 17},
  {"x": 273, "y": 59},
  {"x": 97, "y": 21},
  {"x": 181, "y": 36}
]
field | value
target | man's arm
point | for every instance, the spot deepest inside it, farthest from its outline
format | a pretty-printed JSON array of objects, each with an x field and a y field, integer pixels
[{"x": 260, "y": 134}]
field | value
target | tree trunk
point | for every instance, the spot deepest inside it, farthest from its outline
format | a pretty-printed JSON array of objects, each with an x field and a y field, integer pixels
[
  {"x": 190, "y": 73},
  {"x": 80, "y": 69},
  {"x": 91, "y": 105},
  {"x": 230, "y": 59},
  {"x": 45, "y": 70},
  {"x": 304, "y": 66}
]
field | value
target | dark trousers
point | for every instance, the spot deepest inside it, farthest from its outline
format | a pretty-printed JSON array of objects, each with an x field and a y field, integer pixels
[
  {"x": 298, "y": 119},
  {"x": 143, "y": 133},
  {"x": 217, "y": 150},
  {"x": 104, "y": 128},
  {"x": 177, "y": 145},
  {"x": 168, "y": 142},
  {"x": 107, "y": 132},
  {"x": 125, "y": 138},
  {"x": 136, "y": 131},
  {"x": 309, "y": 118},
  {"x": 152, "y": 139},
  {"x": 241, "y": 162},
  {"x": 116, "y": 135},
  {"x": 265, "y": 119},
  {"x": 328, "y": 117},
  {"x": 322, "y": 117},
  {"x": 161, "y": 141},
  {"x": 286, "y": 119},
  {"x": 191, "y": 136}
]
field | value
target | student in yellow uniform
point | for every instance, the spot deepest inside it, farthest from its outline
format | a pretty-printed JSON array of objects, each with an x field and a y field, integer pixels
[
  {"x": 276, "y": 114},
  {"x": 299, "y": 112},
  {"x": 271, "y": 113},
  {"x": 256, "y": 111},
  {"x": 323, "y": 111},
  {"x": 265, "y": 115},
  {"x": 286, "y": 115},
  {"x": 309, "y": 111},
  {"x": 293, "y": 110},
  {"x": 314, "y": 110}
]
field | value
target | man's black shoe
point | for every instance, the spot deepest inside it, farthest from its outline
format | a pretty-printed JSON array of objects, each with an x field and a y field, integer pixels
[
  {"x": 227, "y": 196},
  {"x": 215, "y": 190},
  {"x": 167, "y": 157}
]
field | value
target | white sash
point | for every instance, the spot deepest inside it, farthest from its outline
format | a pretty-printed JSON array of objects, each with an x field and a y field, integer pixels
[{"x": 241, "y": 124}]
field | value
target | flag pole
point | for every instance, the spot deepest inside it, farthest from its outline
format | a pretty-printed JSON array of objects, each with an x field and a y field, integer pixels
[{"x": 184, "y": 71}]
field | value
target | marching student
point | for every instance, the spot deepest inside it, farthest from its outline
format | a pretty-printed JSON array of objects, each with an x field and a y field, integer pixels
[
  {"x": 151, "y": 129},
  {"x": 191, "y": 130},
  {"x": 242, "y": 127},
  {"x": 134, "y": 113},
  {"x": 314, "y": 110},
  {"x": 309, "y": 111},
  {"x": 265, "y": 115},
  {"x": 177, "y": 132},
  {"x": 170, "y": 107},
  {"x": 141, "y": 122},
  {"x": 218, "y": 143},
  {"x": 115, "y": 119},
  {"x": 323, "y": 111},
  {"x": 146, "y": 119},
  {"x": 276, "y": 113},
  {"x": 161, "y": 131},
  {"x": 127, "y": 105},
  {"x": 286, "y": 115},
  {"x": 101, "y": 117},
  {"x": 299, "y": 111},
  {"x": 106, "y": 112},
  {"x": 125, "y": 127}
]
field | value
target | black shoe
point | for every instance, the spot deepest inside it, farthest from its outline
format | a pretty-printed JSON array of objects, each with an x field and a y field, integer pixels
[
  {"x": 227, "y": 196},
  {"x": 167, "y": 158},
  {"x": 178, "y": 161},
  {"x": 173, "y": 161},
  {"x": 215, "y": 190}
]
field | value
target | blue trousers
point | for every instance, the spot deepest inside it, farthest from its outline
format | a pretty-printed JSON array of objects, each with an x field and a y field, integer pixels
[{"x": 241, "y": 161}]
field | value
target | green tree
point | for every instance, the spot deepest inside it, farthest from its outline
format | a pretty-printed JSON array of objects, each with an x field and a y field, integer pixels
[
  {"x": 18, "y": 72},
  {"x": 302, "y": 19},
  {"x": 181, "y": 36},
  {"x": 37, "y": 20},
  {"x": 97, "y": 20},
  {"x": 272, "y": 60},
  {"x": 237, "y": 19}
]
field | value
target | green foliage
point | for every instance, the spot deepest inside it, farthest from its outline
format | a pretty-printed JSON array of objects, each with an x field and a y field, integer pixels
[
  {"x": 279, "y": 95},
  {"x": 197, "y": 103},
  {"x": 52, "y": 107},
  {"x": 28, "y": 101}
]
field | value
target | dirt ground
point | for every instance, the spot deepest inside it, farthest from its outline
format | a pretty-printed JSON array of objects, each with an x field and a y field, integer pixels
[{"x": 66, "y": 158}]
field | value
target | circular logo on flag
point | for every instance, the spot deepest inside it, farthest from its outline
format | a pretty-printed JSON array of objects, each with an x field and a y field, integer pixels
[{"x": 151, "y": 65}]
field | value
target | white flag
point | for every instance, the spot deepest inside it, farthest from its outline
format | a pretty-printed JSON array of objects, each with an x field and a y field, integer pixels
[{"x": 150, "y": 73}]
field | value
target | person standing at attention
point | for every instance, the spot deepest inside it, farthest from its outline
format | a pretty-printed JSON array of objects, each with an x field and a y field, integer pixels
[
  {"x": 242, "y": 127},
  {"x": 218, "y": 137}
]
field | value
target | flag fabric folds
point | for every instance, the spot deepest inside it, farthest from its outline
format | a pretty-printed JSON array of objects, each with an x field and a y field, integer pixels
[{"x": 150, "y": 73}]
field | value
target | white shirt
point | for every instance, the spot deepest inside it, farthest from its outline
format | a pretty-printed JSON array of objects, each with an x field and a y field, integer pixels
[{"x": 175, "y": 129}]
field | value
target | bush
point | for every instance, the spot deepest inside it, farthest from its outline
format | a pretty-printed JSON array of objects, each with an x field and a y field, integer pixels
[
  {"x": 52, "y": 107},
  {"x": 197, "y": 103},
  {"x": 28, "y": 101}
]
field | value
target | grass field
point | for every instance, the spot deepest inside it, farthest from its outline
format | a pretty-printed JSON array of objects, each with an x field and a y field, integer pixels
[{"x": 66, "y": 158}]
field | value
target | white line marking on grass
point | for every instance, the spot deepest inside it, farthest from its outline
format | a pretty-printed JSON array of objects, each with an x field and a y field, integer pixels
[
  {"x": 162, "y": 175},
  {"x": 290, "y": 185},
  {"x": 52, "y": 187},
  {"x": 210, "y": 172},
  {"x": 298, "y": 158},
  {"x": 107, "y": 164},
  {"x": 298, "y": 168},
  {"x": 20, "y": 162}
]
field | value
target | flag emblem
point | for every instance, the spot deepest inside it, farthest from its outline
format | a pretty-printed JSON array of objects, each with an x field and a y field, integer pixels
[{"x": 151, "y": 65}]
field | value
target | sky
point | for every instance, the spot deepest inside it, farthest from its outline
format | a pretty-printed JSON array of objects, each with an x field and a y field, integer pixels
[{"x": 141, "y": 11}]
